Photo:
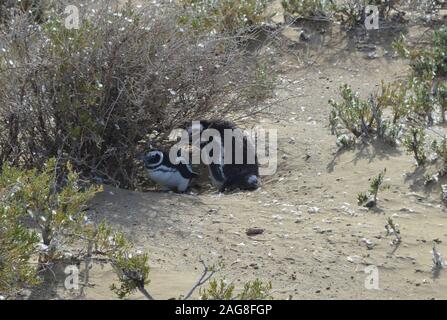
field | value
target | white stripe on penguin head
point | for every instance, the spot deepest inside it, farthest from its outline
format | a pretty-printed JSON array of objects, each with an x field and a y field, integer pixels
[{"x": 153, "y": 153}]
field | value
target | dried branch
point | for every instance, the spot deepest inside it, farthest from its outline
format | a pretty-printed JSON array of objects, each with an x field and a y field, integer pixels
[{"x": 206, "y": 275}]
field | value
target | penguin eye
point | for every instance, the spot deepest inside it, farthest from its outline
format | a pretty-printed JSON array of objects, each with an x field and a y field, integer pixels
[{"x": 155, "y": 158}]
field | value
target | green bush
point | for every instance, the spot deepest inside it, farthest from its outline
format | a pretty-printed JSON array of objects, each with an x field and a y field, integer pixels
[
  {"x": 42, "y": 214},
  {"x": 428, "y": 62},
  {"x": 40, "y": 209},
  {"x": 308, "y": 8},
  {"x": 351, "y": 13},
  {"x": 441, "y": 97},
  {"x": 370, "y": 199},
  {"x": 353, "y": 113},
  {"x": 53, "y": 209},
  {"x": 252, "y": 290},
  {"x": 17, "y": 246},
  {"x": 414, "y": 143},
  {"x": 394, "y": 95},
  {"x": 223, "y": 16}
]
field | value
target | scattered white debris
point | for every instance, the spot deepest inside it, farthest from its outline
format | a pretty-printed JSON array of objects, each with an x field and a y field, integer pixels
[
  {"x": 444, "y": 192},
  {"x": 313, "y": 210},
  {"x": 438, "y": 260},
  {"x": 353, "y": 259},
  {"x": 369, "y": 244},
  {"x": 372, "y": 55}
]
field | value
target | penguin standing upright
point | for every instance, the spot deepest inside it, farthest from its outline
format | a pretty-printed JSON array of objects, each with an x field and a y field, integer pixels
[
  {"x": 171, "y": 176},
  {"x": 245, "y": 175}
]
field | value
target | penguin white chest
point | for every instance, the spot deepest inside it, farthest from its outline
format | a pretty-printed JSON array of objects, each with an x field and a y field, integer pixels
[{"x": 169, "y": 177}]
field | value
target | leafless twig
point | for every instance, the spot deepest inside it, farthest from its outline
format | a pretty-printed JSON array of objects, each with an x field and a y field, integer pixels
[{"x": 206, "y": 275}]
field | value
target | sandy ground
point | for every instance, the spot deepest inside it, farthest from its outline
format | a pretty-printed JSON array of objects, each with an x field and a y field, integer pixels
[{"x": 306, "y": 254}]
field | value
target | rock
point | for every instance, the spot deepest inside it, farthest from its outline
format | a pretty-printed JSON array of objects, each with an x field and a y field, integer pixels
[
  {"x": 275, "y": 10},
  {"x": 254, "y": 265},
  {"x": 254, "y": 231},
  {"x": 370, "y": 203},
  {"x": 369, "y": 244},
  {"x": 353, "y": 259},
  {"x": 291, "y": 34},
  {"x": 372, "y": 55},
  {"x": 444, "y": 192}
]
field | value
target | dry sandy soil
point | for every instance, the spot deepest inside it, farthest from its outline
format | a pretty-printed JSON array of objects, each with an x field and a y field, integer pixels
[{"x": 306, "y": 254}]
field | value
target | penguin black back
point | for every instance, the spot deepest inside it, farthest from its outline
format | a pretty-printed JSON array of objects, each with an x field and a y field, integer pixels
[{"x": 237, "y": 174}]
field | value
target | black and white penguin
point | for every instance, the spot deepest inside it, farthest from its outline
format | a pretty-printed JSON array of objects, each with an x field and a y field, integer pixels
[
  {"x": 172, "y": 176},
  {"x": 245, "y": 175}
]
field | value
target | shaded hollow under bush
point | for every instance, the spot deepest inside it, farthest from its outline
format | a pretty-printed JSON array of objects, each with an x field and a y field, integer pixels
[{"x": 96, "y": 95}]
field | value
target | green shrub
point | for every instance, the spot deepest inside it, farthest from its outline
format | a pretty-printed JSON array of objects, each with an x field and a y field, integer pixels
[
  {"x": 370, "y": 199},
  {"x": 440, "y": 149},
  {"x": 393, "y": 229},
  {"x": 441, "y": 97},
  {"x": 223, "y": 16},
  {"x": 363, "y": 117},
  {"x": 428, "y": 62},
  {"x": 377, "y": 184},
  {"x": 353, "y": 113},
  {"x": 42, "y": 214},
  {"x": 414, "y": 143},
  {"x": 351, "y": 13},
  {"x": 308, "y": 8},
  {"x": 252, "y": 290},
  {"x": 38, "y": 207},
  {"x": 53, "y": 209},
  {"x": 420, "y": 99},
  {"x": 393, "y": 95},
  {"x": 17, "y": 246}
]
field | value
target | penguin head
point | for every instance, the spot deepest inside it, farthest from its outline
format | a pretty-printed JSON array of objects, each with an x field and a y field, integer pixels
[
  {"x": 251, "y": 182},
  {"x": 195, "y": 133},
  {"x": 153, "y": 158}
]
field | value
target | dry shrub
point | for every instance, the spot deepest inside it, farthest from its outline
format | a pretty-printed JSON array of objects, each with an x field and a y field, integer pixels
[
  {"x": 9, "y": 8},
  {"x": 96, "y": 95}
]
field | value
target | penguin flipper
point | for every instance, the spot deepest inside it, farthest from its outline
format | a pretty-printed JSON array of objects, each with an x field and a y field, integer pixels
[{"x": 186, "y": 171}]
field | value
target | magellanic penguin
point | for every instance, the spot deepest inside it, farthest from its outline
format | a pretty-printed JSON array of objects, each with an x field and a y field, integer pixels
[
  {"x": 244, "y": 175},
  {"x": 172, "y": 176}
]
